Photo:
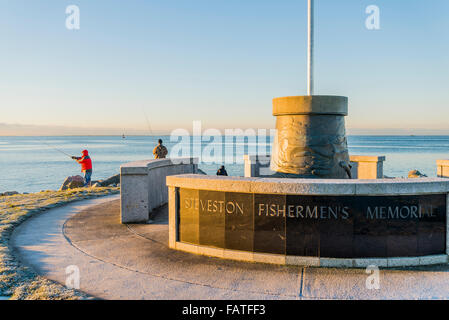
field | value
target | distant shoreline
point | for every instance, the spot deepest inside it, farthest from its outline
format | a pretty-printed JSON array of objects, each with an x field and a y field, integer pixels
[{"x": 168, "y": 135}]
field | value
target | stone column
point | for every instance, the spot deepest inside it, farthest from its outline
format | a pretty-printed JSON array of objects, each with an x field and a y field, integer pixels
[{"x": 311, "y": 137}]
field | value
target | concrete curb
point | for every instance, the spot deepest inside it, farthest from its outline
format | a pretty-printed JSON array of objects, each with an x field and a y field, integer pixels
[{"x": 310, "y": 261}]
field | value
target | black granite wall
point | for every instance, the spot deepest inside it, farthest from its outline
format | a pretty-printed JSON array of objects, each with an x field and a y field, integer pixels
[{"x": 316, "y": 226}]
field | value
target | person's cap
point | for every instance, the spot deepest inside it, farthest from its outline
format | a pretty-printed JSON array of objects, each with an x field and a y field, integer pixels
[{"x": 85, "y": 152}]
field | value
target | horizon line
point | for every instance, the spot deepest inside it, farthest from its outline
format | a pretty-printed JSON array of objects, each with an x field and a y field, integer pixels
[{"x": 167, "y": 135}]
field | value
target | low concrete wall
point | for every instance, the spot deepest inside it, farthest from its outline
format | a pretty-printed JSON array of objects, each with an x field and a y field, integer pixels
[
  {"x": 443, "y": 168},
  {"x": 312, "y": 187},
  {"x": 363, "y": 167},
  {"x": 142, "y": 186}
]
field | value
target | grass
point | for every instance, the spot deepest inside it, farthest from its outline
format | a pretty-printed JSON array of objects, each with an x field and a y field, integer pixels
[{"x": 16, "y": 280}]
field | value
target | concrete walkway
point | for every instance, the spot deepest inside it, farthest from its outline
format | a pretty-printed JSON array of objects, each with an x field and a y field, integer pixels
[{"x": 134, "y": 262}]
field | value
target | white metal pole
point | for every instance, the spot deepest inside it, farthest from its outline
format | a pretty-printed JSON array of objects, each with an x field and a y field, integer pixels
[{"x": 310, "y": 49}]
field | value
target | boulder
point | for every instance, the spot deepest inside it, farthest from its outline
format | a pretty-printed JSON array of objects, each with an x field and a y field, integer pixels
[
  {"x": 416, "y": 174},
  {"x": 9, "y": 193},
  {"x": 114, "y": 180},
  {"x": 72, "y": 183}
]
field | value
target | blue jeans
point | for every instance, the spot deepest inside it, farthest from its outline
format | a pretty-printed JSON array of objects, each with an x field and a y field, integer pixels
[{"x": 87, "y": 177}]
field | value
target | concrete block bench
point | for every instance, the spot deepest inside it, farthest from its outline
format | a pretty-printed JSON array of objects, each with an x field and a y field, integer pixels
[{"x": 363, "y": 167}]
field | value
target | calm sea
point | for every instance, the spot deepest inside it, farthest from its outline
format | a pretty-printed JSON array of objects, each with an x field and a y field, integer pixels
[{"x": 31, "y": 164}]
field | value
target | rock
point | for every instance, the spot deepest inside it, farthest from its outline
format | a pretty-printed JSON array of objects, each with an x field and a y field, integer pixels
[
  {"x": 9, "y": 193},
  {"x": 75, "y": 184},
  {"x": 72, "y": 183},
  {"x": 416, "y": 174},
  {"x": 110, "y": 181},
  {"x": 96, "y": 185}
]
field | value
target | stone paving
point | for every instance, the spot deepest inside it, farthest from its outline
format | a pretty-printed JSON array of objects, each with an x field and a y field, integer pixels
[{"x": 134, "y": 262}]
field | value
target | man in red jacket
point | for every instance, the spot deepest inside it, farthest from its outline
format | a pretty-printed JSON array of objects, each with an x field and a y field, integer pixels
[{"x": 86, "y": 166}]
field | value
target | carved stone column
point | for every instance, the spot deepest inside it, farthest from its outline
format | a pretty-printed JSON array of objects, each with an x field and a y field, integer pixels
[{"x": 311, "y": 137}]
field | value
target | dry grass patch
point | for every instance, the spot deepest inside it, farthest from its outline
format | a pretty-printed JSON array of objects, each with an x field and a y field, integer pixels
[{"x": 19, "y": 281}]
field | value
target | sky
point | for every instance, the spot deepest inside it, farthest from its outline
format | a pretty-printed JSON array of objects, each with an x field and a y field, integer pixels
[{"x": 221, "y": 62}]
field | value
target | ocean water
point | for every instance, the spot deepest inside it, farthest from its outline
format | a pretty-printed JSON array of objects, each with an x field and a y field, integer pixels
[{"x": 31, "y": 164}]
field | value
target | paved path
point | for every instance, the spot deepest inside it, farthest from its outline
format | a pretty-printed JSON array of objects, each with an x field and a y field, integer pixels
[{"x": 134, "y": 262}]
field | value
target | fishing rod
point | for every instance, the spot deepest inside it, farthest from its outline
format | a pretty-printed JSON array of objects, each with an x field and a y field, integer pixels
[
  {"x": 148, "y": 121},
  {"x": 68, "y": 155}
]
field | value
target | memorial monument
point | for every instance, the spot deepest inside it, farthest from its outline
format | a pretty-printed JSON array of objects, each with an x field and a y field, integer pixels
[
  {"x": 311, "y": 138},
  {"x": 309, "y": 212}
]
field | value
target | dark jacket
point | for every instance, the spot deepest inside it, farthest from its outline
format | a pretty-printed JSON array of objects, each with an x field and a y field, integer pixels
[{"x": 222, "y": 172}]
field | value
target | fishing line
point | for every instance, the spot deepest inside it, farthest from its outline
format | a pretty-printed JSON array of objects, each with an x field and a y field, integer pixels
[
  {"x": 57, "y": 149},
  {"x": 148, "y": 121}
]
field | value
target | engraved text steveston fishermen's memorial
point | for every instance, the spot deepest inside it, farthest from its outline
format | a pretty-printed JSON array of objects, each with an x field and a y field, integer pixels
[{"x": 311, "y": 212}]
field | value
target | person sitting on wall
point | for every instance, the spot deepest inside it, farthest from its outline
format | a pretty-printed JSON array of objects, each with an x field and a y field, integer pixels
[
  {"x": 222, "y": 171},
  {"x": 160, "y": 151},
  {"x": 86, "y": 166}
]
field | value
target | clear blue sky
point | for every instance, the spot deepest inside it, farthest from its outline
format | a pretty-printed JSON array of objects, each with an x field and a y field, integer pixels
[{"x": 221, "y": 62}]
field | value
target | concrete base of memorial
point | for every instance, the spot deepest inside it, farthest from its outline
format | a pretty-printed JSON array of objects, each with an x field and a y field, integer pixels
[{"x": 327, "y": 223}]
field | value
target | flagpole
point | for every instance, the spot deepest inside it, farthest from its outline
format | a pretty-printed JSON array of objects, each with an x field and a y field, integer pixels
[{"x": 310, "y": 47}]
